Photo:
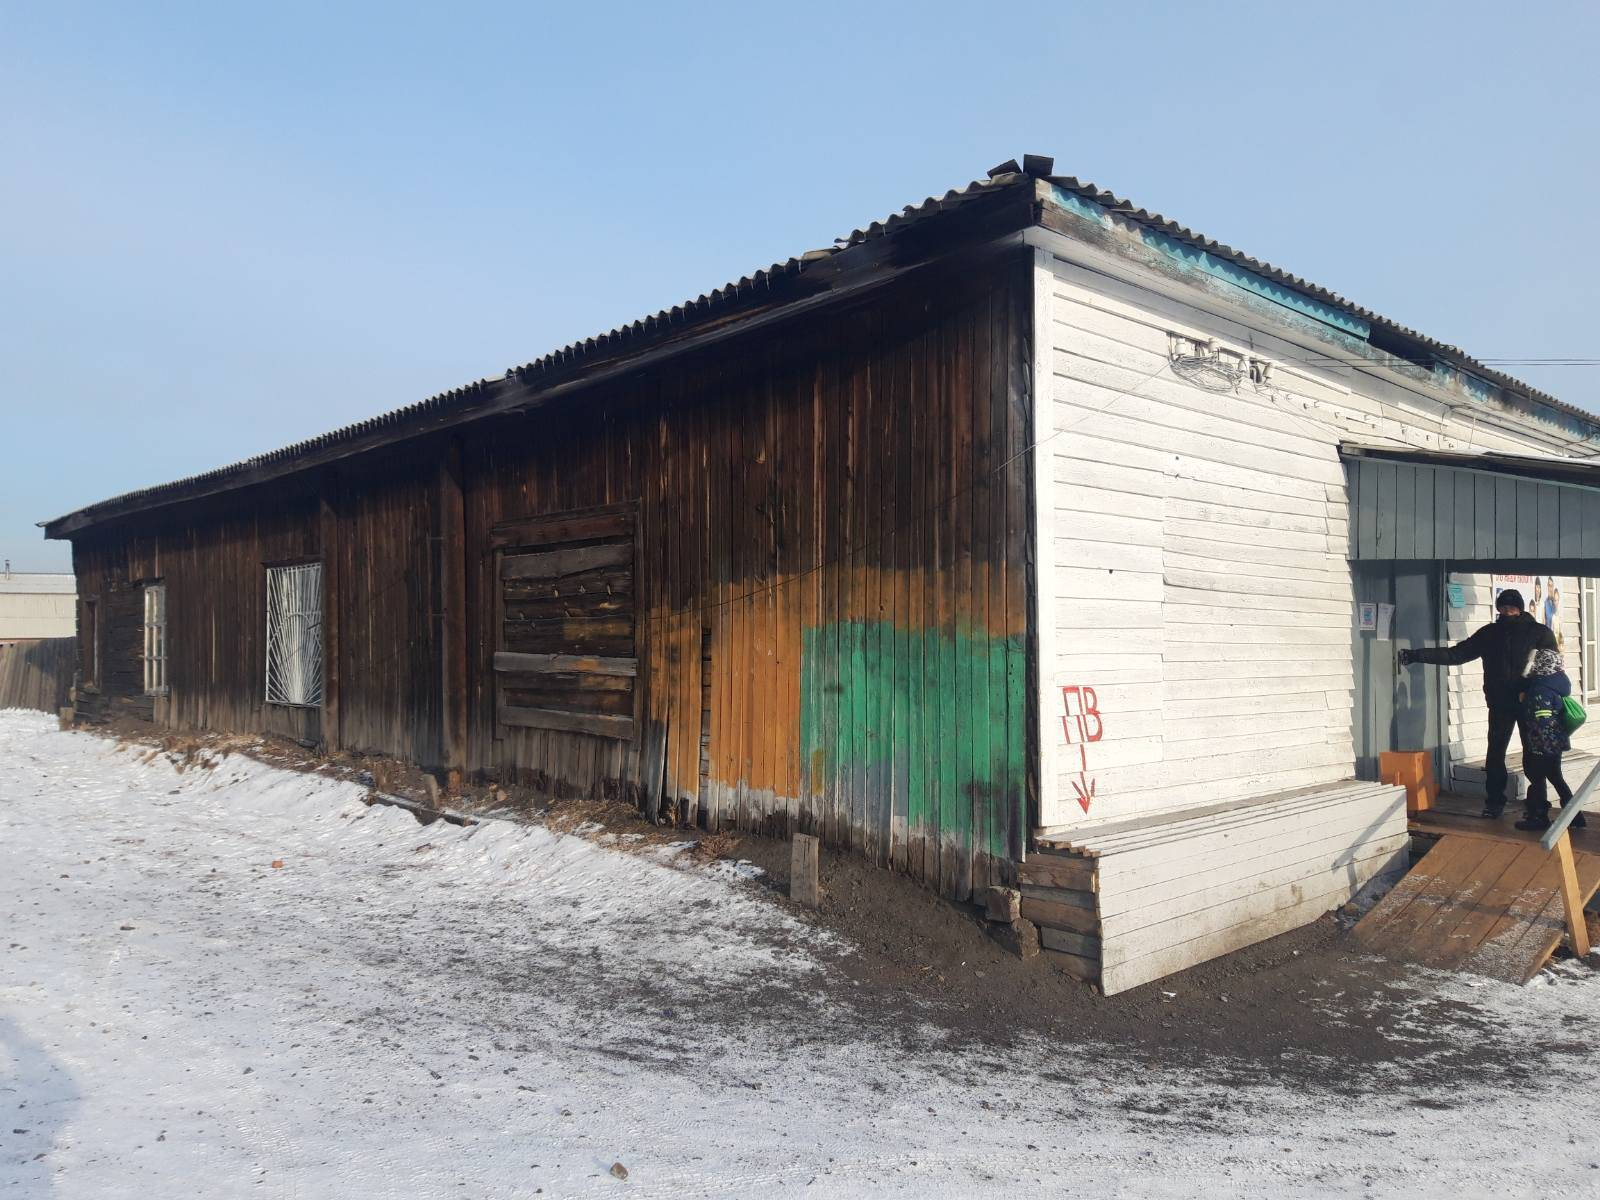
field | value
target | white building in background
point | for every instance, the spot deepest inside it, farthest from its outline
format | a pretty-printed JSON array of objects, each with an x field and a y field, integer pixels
[{"x": 37, "y": 605}]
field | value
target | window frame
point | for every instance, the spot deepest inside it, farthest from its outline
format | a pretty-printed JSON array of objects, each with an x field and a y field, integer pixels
[
  {"x": 155, "y": 640},
  {"x": 1589, "y": 636},
  {"x": 295, "y": 648}
]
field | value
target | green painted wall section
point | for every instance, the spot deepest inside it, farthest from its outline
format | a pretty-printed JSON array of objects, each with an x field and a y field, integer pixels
[{"x": 918, "y": 731}]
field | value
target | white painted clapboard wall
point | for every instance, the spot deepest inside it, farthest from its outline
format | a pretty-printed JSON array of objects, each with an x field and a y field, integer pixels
[{"x": 1193, "y": 554}]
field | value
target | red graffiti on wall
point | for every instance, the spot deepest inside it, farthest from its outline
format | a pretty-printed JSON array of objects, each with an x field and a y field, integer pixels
[{"x": 1082, "y": 727}]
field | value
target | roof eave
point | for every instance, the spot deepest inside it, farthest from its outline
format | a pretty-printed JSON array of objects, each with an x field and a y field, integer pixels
[
  {"x": 1090, "y": 204},
  {"x": 867, "y": 259}
]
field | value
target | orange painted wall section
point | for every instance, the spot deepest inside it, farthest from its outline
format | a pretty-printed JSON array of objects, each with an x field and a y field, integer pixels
[{"x": 832, "y": 583}]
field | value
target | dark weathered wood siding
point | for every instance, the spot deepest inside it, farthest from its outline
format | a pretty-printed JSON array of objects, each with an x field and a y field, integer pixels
[
  {"x": 828, "y": 593},
  {"x": 386, "y": 561},
  {"x": 213, "y": 561}
]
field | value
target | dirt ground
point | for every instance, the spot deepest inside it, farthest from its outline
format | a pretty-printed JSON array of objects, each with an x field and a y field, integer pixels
[{"x": 1306, "y": 1006}]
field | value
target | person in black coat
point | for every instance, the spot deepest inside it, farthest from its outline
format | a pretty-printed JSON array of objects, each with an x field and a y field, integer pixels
[{"x": 1506, "y": 646}]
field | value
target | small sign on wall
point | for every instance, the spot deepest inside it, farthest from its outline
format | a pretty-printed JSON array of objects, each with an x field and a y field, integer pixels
[
  {"x": 1385, "y": 621},
  {"x": 1457, "y": 595},
  {"x": 1367, "y": 617}
]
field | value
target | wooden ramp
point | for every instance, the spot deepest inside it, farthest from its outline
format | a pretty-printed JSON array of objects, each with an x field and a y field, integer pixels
[{"x": 1482, "y": 904}]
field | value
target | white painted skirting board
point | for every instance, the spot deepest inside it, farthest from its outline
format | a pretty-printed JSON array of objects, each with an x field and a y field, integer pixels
[{"x": 1178, "y": 890}]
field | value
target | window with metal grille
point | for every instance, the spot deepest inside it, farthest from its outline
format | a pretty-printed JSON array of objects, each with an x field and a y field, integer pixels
[
  {"x": 294, "y": 635},
  {"x": 155, "y": 639}
]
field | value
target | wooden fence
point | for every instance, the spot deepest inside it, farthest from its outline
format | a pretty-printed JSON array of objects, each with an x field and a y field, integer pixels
[{"x": 37, "y": 674}]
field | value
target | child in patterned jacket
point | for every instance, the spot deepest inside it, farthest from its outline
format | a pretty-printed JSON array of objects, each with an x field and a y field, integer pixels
[{"x": 1545, "y": 738}]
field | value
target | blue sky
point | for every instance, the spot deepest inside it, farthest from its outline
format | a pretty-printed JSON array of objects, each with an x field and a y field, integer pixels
[{"x": 225, "y": 228}]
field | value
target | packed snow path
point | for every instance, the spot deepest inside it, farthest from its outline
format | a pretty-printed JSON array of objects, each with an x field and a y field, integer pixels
[{"x": 504, "y": 1011}]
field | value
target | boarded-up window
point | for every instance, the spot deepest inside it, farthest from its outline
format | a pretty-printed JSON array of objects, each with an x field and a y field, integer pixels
[
  {"x": 565, "y": 659},
  {"x": 122, "y": 641},
  {"x": 294, "y": 635},
  {"x": 155, "y": 639}
]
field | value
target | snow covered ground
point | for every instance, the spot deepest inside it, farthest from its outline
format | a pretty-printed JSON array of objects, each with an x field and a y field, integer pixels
[{"x": 500, "y": 1010}]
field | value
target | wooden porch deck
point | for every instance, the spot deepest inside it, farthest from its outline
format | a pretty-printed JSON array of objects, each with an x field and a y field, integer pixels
[
  {"x": 1458, "y": 814},
  {"x": 1484, "y": 899}
]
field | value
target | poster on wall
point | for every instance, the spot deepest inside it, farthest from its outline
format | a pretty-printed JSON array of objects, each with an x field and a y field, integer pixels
[{"x": 1541, "y": 596}]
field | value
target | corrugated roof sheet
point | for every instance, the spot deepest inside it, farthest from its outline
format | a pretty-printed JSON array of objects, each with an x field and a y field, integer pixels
[
  {"x": 616, "y": 341},
  {"x": 1452, "y": 354},
  {"x": 752, "y": 287},
  {"x": 1574, "y": 471}
]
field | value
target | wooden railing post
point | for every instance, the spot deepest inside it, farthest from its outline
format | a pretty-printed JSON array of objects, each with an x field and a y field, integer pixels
[
  {"x": 1560, "y": 841},
  {"x": 1571, "y": 897}
]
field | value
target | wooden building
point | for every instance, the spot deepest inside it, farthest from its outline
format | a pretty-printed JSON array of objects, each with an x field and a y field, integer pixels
[{"x": 1010, "y": 537}]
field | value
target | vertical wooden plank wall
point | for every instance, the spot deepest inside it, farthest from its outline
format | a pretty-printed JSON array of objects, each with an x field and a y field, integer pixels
[
  {"x": 840, "y": 517},
  {"x": 451, "y": 630},
  {"x": 830, "y": 584},
  {"x": 389, "y": 557},
  {"x": 332, "y": 593},
  {"x": 374, "y": 530},
  {"x": 213, "y": 561}
]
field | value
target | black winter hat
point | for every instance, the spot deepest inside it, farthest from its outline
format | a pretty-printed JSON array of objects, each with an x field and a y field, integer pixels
[{"x": 1510, "y": 598}]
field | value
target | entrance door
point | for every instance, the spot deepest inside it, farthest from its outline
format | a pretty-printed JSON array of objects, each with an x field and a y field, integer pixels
[{"x": 1395, "y": 709}]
